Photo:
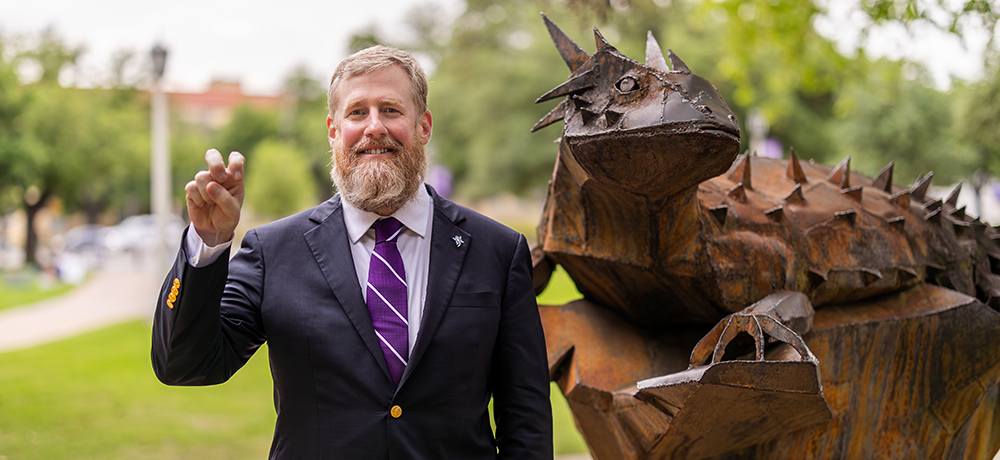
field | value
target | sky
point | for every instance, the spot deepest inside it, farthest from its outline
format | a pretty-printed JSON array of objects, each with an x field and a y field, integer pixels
[{"x": 259, "y": 42}]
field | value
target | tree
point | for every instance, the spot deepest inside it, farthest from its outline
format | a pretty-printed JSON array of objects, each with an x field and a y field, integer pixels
[
  {"x": 763, "y": 55},
  {"x": 247, "y": 128},
  {"x": 80, "y": 145},
  {"x": 279, "y": 182}
]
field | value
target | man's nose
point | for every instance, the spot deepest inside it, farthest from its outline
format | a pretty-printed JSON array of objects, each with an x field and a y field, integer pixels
[{"x": 375, "y": 127}]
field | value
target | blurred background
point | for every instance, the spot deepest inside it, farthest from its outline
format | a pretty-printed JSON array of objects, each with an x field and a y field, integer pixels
[{"x": 107, "y": 108}]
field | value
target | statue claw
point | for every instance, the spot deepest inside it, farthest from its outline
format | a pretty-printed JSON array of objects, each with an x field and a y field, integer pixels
[{"x": 760, "y": 329}]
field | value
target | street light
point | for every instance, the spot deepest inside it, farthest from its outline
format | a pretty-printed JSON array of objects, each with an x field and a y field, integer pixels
[
  {"x": 160, "y": 160},
  {"x": 159, "y": 60}
]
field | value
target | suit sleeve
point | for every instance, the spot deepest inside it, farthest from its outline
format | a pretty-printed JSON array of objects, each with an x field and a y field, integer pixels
[
  {"x": 205, "y": 328},
  {"x": 520, "y": 375}
]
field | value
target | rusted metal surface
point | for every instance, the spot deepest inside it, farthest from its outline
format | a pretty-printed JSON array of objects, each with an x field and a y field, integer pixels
[{"x": 698, "y": 336}]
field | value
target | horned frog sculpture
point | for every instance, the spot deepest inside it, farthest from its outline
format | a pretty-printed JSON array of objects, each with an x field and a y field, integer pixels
[{"x": 756, "y": 308}]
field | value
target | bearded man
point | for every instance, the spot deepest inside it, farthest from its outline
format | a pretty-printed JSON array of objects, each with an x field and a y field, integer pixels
[{"x": 391, "y": 314}]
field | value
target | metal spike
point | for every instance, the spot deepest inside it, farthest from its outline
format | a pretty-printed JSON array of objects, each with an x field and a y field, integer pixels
[
  {"x": 776, "y": 213},
  {"x": 796, "y": 196},
  {"x": 850, "y": 216},
  {"x": 741, "y": 174},
  {"x": 953, "y": 196},
  {"x": 816, "y": 278},
  {"x": 568, "y": 49},
  {"x": 580, "y": 101},
  {"x": 719, "y": 213},
  {"x": 612, "y": 117},
  {"x": 958, "y": 213},
  {"x": 871, "y": 276},
  {"x": 600, "y": 41},
  {"x": 901, "y": 199},
  {"x": 907, "y": 274},
  {"x": 555, "y": 115},
  {"x": 588, "y": 116},
  {"x": 934, "y": 216},
  {"x": 934, "y": 271},
  {"x": 841, "y": 175},
  {"x": 932, "y": 205},
  {"x": 978, "y": 228},
  {"x": 654, "y": 56},
  {"x": 919, "y": 189},
  {"x": 853, "y": 193},
  {"x": 883, "y": 181},
  {"x": 574, "y": 85},
  {"x": 794, "y": 168},
  {"x": 897, "y": 223},
  {"x": 738, "y": 193},
  {"x": 960, "y": 228},
  {"x": 676, "y": 63}
]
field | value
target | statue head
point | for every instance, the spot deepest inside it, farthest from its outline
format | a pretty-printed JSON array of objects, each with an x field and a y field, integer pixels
[{"x": 653, "y": 129}]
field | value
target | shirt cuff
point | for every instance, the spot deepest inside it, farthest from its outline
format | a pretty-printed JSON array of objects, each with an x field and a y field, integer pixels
[{"x": 201, "y": 254}]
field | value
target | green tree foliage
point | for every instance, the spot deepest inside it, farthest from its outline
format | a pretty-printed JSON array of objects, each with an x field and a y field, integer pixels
[
  {"x": 279, "y": 182},
  {"x": 13, "y": 101},
  {"x": 763, "y": 55},
  {"x": 496, "y": 63},
  {"x": 247, "y": 128},
  {"x": 977, "y": 121},
  {"x": 304, "y": 124},
  {"x": 83, "y": 146}
]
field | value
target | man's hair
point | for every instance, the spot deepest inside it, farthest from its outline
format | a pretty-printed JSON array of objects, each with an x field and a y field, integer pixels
[{"x": 377, "y": 57}]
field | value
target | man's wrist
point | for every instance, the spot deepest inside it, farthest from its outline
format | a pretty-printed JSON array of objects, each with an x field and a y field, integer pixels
[{"x": 200, "y": 252}]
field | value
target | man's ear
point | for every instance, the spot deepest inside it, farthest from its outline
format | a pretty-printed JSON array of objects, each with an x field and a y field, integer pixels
[
  {"x": 424, "y": 126},
  {"x": 331, "y": 129}
]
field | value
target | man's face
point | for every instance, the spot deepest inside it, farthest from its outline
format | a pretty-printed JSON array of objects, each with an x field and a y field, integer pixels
[{"x": 377, "y": 137}]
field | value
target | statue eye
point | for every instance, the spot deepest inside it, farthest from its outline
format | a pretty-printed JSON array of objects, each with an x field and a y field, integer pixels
[{"x": 627, "y": 85}]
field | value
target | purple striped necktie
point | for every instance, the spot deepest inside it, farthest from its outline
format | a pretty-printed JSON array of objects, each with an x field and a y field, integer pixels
[{"x": 386, "y": 296}]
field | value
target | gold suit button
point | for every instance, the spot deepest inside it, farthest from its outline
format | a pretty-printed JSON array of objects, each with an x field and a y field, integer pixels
[{"x": 396, "y": 411}]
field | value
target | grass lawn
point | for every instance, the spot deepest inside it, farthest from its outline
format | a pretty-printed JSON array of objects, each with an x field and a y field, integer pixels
[
  {"x": 95, "y": 397},
  {"x": 24, "y": 286}
]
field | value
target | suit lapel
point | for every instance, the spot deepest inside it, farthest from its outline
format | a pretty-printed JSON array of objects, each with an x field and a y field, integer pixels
[
  {"x": 446, "y": 259},
  {"x": 331, "y": 247}
]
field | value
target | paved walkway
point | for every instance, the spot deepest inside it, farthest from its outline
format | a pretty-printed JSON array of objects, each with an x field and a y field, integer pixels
[{"x": 121, "y": 290}]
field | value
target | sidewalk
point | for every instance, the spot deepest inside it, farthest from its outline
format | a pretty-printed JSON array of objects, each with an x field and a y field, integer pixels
[{"x": 119, "y": 291}]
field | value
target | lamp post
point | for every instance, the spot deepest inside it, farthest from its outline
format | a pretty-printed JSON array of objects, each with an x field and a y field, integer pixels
[{"x": 160, "y": 159}]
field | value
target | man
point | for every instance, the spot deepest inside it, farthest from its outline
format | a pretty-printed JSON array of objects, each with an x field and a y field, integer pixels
[{"x": 384, "y": 342}]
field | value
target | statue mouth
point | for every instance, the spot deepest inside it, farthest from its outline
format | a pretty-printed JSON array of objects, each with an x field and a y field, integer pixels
[
  {"x": 688, "y": 128},
  {"x": 722, "y": 131}
]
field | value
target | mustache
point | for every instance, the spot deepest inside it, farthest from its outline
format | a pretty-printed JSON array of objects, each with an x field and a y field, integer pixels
[{"x": 368, "y": 143}]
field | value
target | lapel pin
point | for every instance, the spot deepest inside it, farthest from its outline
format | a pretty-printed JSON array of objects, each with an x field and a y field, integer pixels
[{"x": 458, "y": 240}]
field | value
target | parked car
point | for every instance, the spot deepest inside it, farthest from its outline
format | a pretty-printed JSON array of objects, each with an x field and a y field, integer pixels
[
  {"x": 139, "y": 233},
  {"x": 79, "y": 250}
]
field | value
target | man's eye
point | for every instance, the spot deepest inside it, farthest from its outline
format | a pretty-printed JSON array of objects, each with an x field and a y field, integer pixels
[
  {"x": 357, "y": 112},
  {"x": 390, "y": 109}
]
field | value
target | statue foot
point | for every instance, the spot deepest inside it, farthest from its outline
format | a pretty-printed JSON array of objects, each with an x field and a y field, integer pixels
[{"x": 751, "y": 379}]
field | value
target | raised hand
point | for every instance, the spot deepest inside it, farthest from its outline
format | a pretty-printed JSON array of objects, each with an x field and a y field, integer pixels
[{"x": 215, "y": 197}]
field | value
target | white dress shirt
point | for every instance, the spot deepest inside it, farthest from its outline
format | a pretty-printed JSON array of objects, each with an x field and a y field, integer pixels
[{"x": 414, "y": 245}]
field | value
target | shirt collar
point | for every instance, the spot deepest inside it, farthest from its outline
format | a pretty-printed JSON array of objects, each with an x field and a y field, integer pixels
[{"x": 414, "y": 215}]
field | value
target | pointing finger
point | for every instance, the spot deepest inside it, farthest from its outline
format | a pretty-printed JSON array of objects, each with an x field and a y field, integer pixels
[
  {"x": 215, "y": 165},
  {"x": 236, "y": 165}
]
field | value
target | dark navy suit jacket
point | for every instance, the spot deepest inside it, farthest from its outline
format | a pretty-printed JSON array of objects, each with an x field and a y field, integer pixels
[{"x": 293, "y": 284}]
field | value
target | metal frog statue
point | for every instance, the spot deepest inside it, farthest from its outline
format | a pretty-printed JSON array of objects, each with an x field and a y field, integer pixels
[{"x": 697, "y": 335}]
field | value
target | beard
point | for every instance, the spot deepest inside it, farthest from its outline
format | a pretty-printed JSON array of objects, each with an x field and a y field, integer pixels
[{"x": 379, "y": 184}]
